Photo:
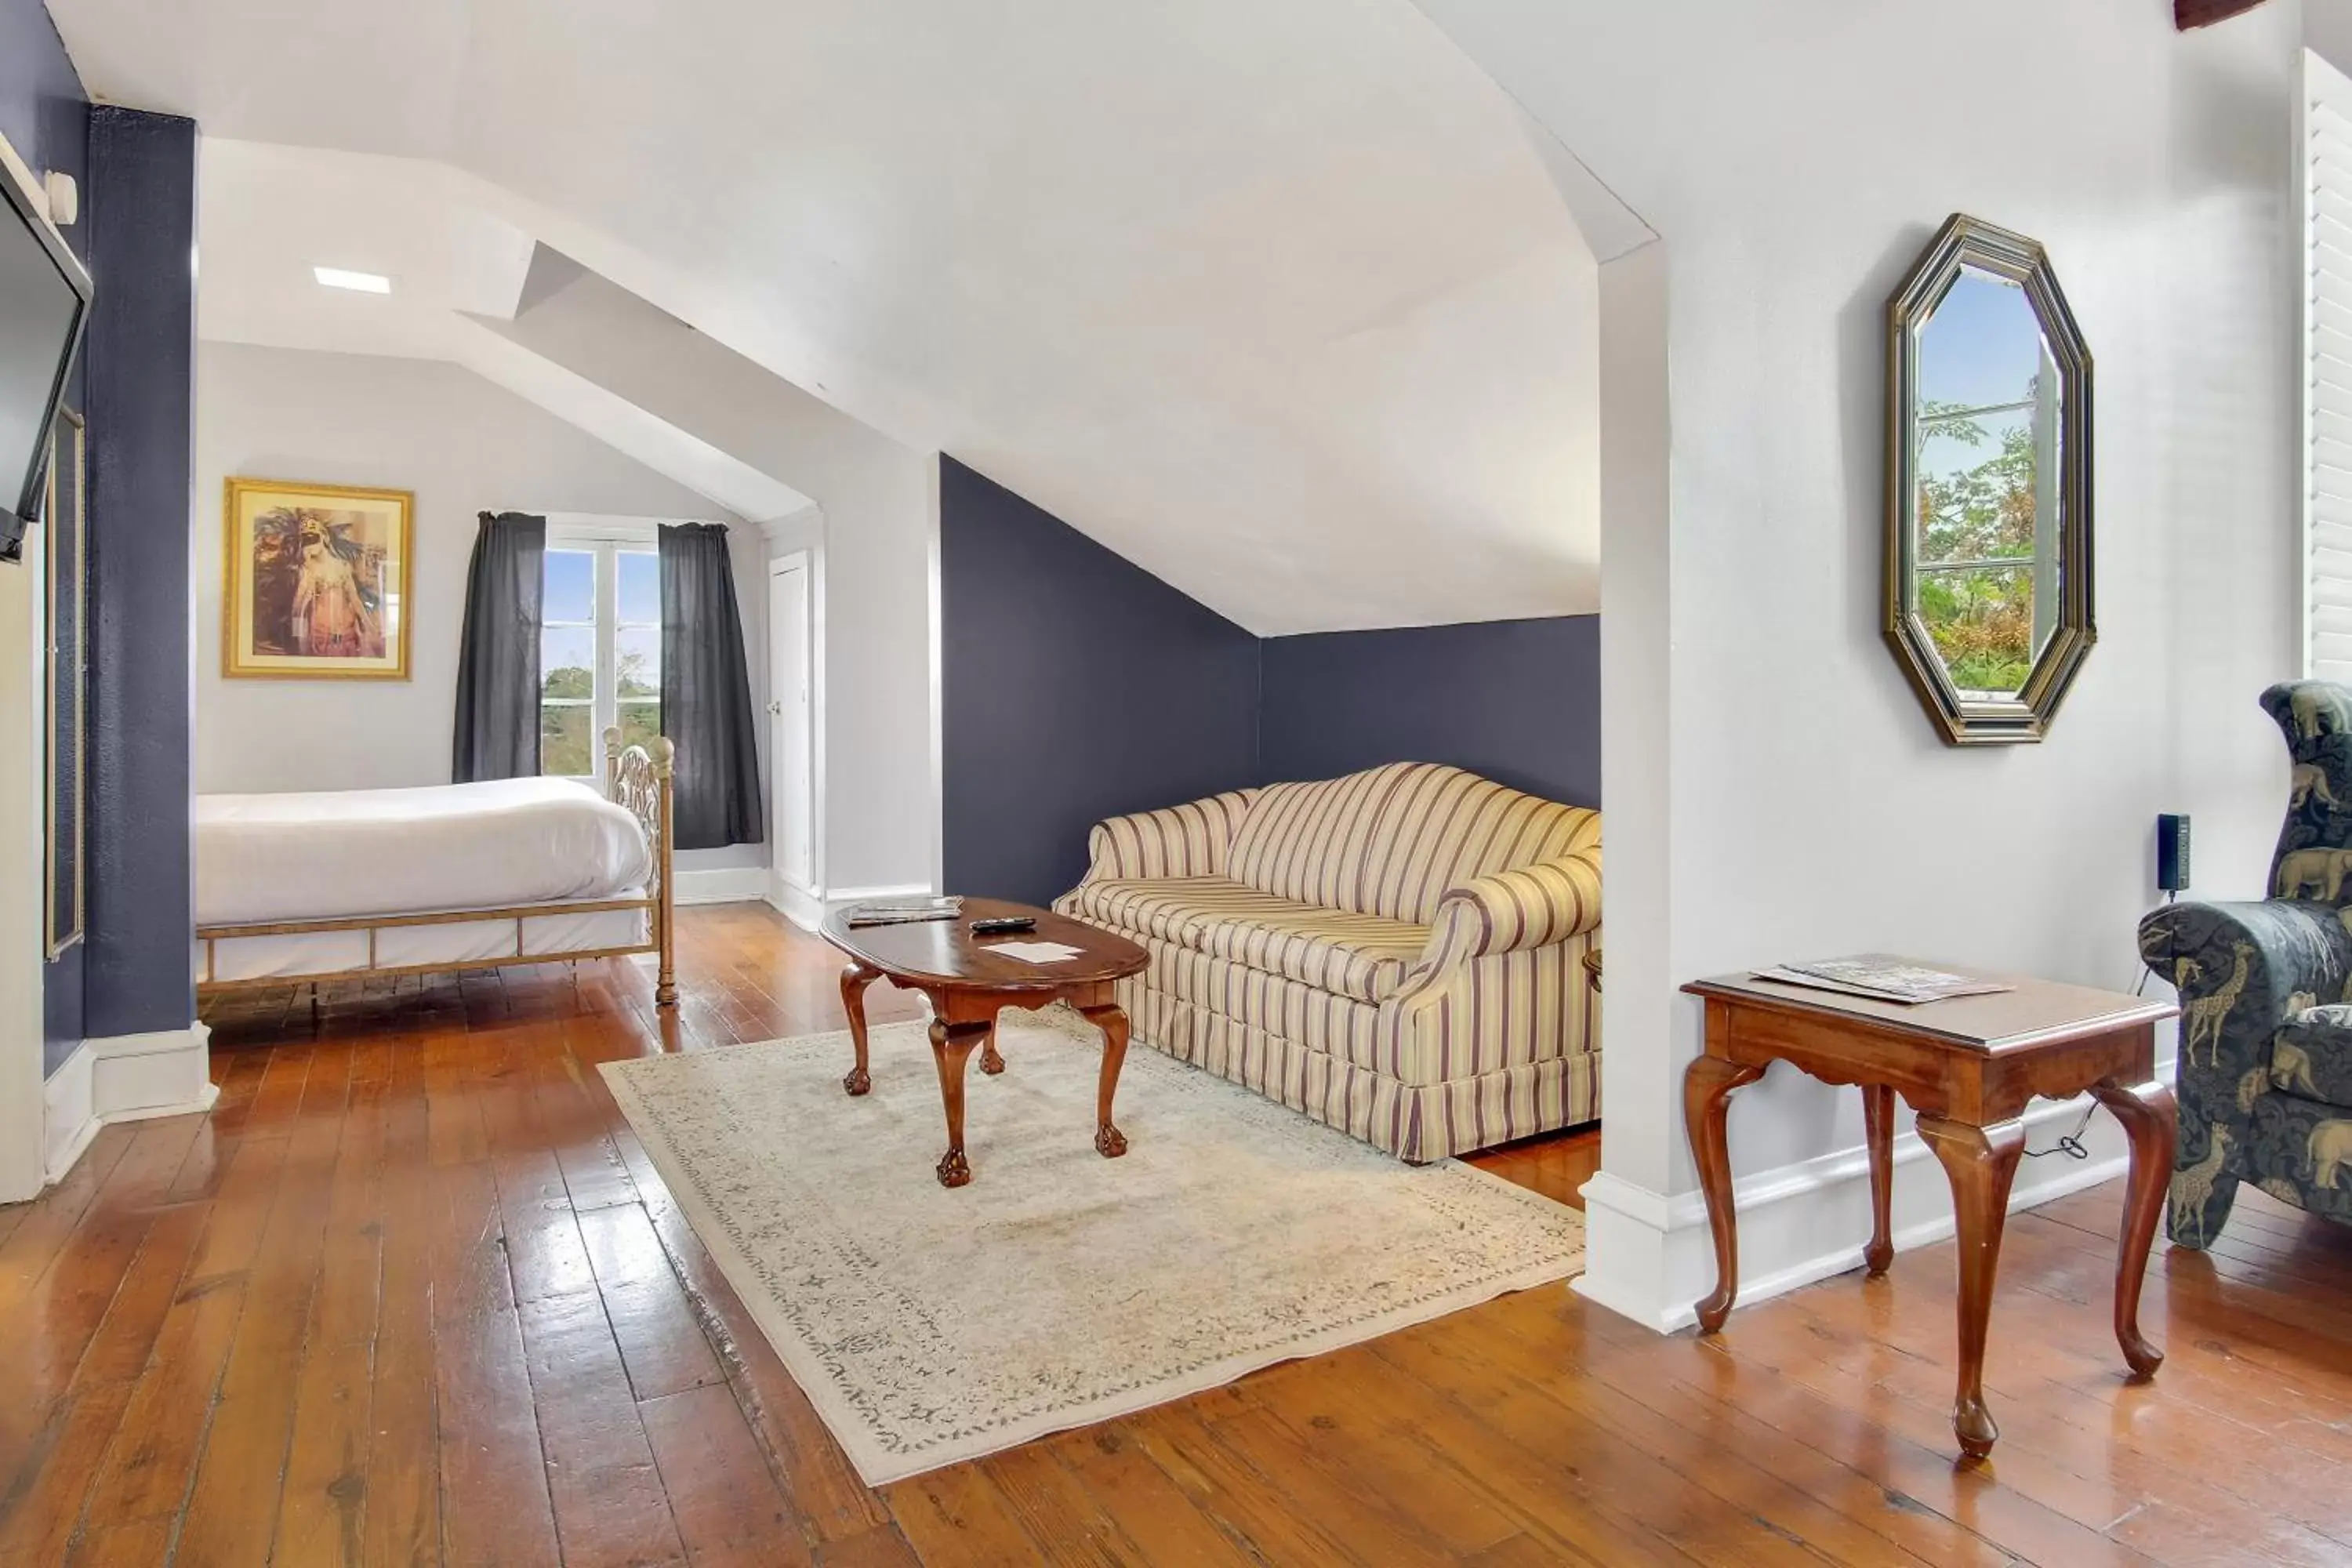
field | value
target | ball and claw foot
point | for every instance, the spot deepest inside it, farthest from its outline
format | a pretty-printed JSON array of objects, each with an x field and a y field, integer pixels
[
  {"x": 1109, "y": 1142},
  {"x": 855, "y": 1081},
  {"x": 991, "y": 1062},
  {"x": 954, "y": 1169}
]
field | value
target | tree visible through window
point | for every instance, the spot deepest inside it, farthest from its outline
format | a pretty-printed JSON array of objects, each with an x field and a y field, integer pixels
[{"x": 600, "y": 653}]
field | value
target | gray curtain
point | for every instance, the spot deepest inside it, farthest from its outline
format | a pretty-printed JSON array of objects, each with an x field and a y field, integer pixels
[
  {"x": 705, "y": 694},
  {"x": 498, "y": 655}
]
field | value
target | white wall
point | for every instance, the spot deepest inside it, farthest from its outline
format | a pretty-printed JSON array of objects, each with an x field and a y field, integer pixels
[
  {"x": 879, "y": 815},
  {"x": 464, "y": 446},
  {"x": 1795, "y": 158}
]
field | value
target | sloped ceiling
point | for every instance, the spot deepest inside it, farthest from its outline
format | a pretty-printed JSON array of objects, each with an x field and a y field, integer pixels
[{"x": 1286, "y": 303}]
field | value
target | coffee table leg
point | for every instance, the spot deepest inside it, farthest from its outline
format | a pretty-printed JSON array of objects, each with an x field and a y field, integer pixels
[
  {"x": 1878, "y": 1132},
  {"x": 1707, "y": 1084},
  {"x": 2151, "y": 1121},
  {"x": 854, "y": 979},
  {"x": 1111, "y": 1019},
  {"x": 991, "y": 1062},
  {"x": 951, "y": 1047},
  {"x": 1981, "y": 1163}
]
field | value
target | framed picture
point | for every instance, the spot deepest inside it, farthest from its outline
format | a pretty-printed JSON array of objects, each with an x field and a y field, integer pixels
[
  {"x": 316, "y": 583},
  {"x": 67, "y": 645}
]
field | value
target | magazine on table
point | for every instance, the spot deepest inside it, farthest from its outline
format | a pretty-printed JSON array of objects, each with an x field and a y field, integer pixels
[
  {"x": 1881, "y": 979},
  {"x": 900, "y": 911}
]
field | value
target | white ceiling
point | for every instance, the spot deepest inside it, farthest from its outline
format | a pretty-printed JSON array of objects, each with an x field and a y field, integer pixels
[{"x": 1287, "y": 303}]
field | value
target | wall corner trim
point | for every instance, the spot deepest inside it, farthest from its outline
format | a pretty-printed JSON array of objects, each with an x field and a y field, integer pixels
[
  {"x": 123, "y": 1078},
  {"x": 1650, "y": 1255}
]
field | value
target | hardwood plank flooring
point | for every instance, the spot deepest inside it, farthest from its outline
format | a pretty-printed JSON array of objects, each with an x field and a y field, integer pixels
[{"x": 413, "y": 1294}]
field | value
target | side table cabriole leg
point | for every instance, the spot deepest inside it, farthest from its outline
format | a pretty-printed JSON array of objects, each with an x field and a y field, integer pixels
[
  {"x": 1981, "y": 1163},
  {"x": 2151, "y": 1121},
  {"x": 855, "y": 978},
  {"x": 1707, "y": 1095},
  {"x": 1878, "y": 1132},
  {"x": 1111, "y": 1019},
  {"x": 990, "y": 1061},
  {"x": 951, "y": 1047}
]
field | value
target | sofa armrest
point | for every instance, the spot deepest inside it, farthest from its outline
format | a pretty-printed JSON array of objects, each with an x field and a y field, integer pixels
[
  {"x": 2240, "y": 970},
  {"x": 1188, "y": 840},
  {"x": 1528, "y": 906}
]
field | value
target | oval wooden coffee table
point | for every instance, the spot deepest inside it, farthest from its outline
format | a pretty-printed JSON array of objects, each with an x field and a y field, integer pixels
[{"x": 967, "y": 984}]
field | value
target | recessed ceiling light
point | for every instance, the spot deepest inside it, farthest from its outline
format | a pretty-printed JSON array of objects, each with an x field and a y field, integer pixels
[{"x": 363, "y": 282}]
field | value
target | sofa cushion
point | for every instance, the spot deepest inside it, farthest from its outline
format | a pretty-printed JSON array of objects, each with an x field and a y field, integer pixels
[
  {"x": 1391, "y": 840},
  {"x": 2311, "y": 1055},
  {"x": 1350, "y": 954}
]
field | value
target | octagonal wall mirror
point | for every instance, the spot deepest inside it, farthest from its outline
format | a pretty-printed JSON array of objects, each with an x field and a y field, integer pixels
[{"x": 1989, "y": 600}]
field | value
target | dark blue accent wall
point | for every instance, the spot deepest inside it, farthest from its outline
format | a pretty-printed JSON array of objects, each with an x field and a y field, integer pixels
[
  {"x": 44, "y": 112},
  {"x": 44, "y": 115},
  {"x": 141, "y": 362},
  {"x": 1076, "y": 686},
  {"x": 1517, "y": 702}
]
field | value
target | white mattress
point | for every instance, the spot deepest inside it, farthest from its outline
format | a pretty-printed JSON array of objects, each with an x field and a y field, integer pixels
[{"x": 350, "y": 853}]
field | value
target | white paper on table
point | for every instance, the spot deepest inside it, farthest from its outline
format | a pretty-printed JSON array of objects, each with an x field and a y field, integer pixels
[{"x": 1032, "y": 952}]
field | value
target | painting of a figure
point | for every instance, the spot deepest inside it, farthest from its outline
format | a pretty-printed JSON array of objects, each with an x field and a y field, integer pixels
[{"x": 317, "y": 581}]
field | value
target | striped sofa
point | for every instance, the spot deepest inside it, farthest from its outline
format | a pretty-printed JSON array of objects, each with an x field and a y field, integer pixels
[{"x": 1399, "y": 952}]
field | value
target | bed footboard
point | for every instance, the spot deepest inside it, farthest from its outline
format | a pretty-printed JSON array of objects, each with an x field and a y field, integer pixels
[{"x": 641, "y": 780}]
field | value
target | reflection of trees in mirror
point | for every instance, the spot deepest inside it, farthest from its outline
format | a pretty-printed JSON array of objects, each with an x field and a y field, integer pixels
[
  {"x": 1982, "y": 624},
  {"x": 1978, "y": 614}
]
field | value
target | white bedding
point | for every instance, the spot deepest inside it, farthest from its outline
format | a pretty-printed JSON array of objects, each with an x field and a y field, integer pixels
[{"x": 349, "y": 853}]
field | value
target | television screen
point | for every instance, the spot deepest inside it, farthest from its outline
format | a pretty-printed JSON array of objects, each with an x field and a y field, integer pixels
[{"x": 44, "y": 294}]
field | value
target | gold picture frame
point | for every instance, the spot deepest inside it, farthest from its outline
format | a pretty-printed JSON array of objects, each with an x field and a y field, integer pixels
[
  {"x": 65, "y": 792},
  {"x": 314, "y": 581}
]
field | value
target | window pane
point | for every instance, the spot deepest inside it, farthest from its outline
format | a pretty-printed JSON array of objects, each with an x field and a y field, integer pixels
[
  {"x": 636, "y": 661},
  {"x": 564, "y": 747},
  {"x": 640, "y": 724},
  {"x": 567, "y": 662},
  {"x": 570, "y": 587},
  {"x": 1976, "y": 486},
  {"x": 640, "y": 587},
  {"x": 1982, "y": 622}
]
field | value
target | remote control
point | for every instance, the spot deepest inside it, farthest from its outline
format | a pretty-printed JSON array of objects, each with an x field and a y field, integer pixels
[{"x": 1001, "y": 924}]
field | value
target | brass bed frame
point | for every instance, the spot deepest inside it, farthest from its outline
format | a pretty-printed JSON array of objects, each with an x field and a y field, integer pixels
[{"x": 635, "y": 778}]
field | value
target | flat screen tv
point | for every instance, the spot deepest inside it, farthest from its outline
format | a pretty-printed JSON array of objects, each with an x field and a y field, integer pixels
[{"x": 44, "y": 299}]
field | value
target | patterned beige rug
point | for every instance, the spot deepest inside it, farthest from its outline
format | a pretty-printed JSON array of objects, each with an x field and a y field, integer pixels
[{"x": 930, "y": 1326}]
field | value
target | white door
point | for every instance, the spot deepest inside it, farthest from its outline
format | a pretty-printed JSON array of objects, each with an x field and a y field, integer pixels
[{"x": 790, "y": 739}]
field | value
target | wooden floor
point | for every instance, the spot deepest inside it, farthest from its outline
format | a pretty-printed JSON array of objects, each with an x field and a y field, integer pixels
[{"x": 413, "y": 1294}]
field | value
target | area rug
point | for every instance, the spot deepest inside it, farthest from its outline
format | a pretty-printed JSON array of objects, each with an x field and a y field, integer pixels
[{"x": 931, "y": 1325}]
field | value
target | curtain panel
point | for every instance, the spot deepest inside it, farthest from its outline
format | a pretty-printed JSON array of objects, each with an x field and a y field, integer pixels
[
  {"x": 497, "y": 653},
  {"x": 706, "y": 692}
]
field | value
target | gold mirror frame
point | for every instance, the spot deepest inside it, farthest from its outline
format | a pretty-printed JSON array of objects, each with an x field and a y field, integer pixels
[{"x": 1973, "y": 719}]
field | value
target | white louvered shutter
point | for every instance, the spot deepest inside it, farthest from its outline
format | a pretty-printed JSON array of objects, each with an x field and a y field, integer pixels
[{"x": 2324, "y": 201}]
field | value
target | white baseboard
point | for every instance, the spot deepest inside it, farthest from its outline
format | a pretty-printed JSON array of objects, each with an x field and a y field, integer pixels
[
  {"x": 800, "y": 905},
  {"x": 123, "y": 1078},
  {"x": 1650, "y": 1258},
  {"x": 723, "y": 885}
]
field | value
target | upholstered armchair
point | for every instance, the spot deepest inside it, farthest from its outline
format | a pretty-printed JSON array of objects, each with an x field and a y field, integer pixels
[{"x": 2265, "y": 1076}]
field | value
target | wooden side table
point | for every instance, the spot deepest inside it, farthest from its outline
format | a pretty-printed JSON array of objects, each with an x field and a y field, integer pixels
[{"x": 1968, "y": 1066}]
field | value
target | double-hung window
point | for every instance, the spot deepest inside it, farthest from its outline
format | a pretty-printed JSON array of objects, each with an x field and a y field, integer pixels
[{"x": 599, "y": 647}]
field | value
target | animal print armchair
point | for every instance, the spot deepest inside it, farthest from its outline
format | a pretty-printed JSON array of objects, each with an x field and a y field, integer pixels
[{"x": 2266, "y": 1082}]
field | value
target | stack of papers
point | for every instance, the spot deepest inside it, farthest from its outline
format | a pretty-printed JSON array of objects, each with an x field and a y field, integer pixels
[
  {"x": 1031, "y": 952},
  {"x": 898, "y": 912},
  {"x": 1881, "y": 978}
]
